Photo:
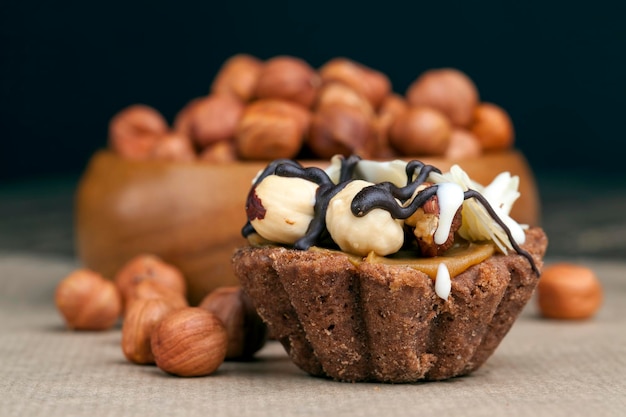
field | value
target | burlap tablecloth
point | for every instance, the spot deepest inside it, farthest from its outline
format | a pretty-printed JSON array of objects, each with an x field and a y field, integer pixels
[{"x": 542, "y": 368}]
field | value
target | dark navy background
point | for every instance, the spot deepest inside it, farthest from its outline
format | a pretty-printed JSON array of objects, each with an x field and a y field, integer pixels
[{"x": 66, "y": 68}]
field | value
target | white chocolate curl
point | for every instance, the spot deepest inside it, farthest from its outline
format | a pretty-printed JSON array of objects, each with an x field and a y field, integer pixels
[
  {"x": 372, "y": 171},
  {"x": 376, "y": 232},
  {"x": 289, "y": 206}
]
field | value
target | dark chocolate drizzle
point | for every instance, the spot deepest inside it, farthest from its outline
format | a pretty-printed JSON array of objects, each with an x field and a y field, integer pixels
[{"x": 378, "y": 196}]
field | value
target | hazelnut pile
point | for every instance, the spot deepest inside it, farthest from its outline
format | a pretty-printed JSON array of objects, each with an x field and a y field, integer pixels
[
  {"x": 158, "y": 325},
  {"x": 284, "y": 108}
]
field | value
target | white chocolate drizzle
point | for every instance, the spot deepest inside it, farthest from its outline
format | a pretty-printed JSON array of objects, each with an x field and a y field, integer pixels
[
  {"x": 450, "y": 198},
  {"x": 443, "y": 284}
]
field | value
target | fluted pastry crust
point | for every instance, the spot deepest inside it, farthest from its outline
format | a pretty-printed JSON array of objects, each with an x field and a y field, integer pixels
[{"x": 379, "y": 322}]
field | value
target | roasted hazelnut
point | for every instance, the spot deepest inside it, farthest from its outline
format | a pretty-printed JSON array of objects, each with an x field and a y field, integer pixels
[
  {"x": 150, "y": 289},
  {"x": 173, "y": 147},
  {"x": 212, "y": 119},
  {"x": 219, "y": 153},
  {"x": 246, "y": 331},
  {"x": 183, "y": 119},
  {"x": 390, "y": 109},
  {"x": 420, "y": 131},
  {"x": 448, "y": 90},
  {"x": 87, "y": 301},
  {"x": 568, "y": 291},
  {"x": 375, "y": 232},
  {"x": 134, "y": 131},
  {"x": 271, "y": 129},
  {"x": 279, "y": 208},
  {"x": 238, "y": 76},
  {"x": 340, "y": 129},
  {"x": 372, "y": 84},
  {"x": 148, "y": 267},
  {"x": 463, "y": 145},
  {"x": 288, "y": 78},
  {"x": 139, "y": 322},
  {"x": 425, "y": 222},
  {"x": 189, "y": 342},
  {"x": 342, "y": 94},
  {"x": 493, "y": 127}
]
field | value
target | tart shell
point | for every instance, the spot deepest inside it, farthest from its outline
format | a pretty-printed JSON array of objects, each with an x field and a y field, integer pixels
[{"x": 377, "y": 322}]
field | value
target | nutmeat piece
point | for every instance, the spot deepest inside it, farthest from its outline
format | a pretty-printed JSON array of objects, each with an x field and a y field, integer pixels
[
  {"x": 238, "y": 76},
  {"x": 288, "y": 78},
  {"x": 390, "y": 109},
  {"x": 370, "y": 83},
  {"x": 134, "y": 131},
  {"x": 189, "y": 342},
  {"x": 148, "y": 267},
  {"x": 149, "y": 289},
  {"x": 165, "y": 280},
  {"x": 183, "y": 119},
  {"x": 87, "y": 301},
  {"x": 342, "y": 94},
  {"x": 271, "y": 129},
  {"x": 448, "y": 90},
  {"x": 420, "y": 131},
  {"x": 141, "y": 318},
  {"x": 375, "y": 232},
  {"x": 342, "y": 129},
  {"x": 463, "y": 145},
  {"x": 568, "y": 291},
  {"x": 425, "y": 222},
  {"x": 219, "y": 153},
  {"x": 212, "y": 119},
  {"x": 173, "y": 147},
  {"x": 246, "y": 331},
  {"x": 493, "y": 127},
  {"x": 281, "y": 208}
]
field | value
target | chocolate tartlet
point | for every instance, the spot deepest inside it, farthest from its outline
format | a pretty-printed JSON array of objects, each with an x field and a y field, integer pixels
[{"x": 433, "y": 307}]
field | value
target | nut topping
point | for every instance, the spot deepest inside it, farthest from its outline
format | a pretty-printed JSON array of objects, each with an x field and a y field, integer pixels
[
  {"x": 375, "y": 232},
  {"x": 280, "y": 208}
]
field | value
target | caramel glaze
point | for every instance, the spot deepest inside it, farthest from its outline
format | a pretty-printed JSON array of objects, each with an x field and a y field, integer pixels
[{"x": 381, "y": 196}]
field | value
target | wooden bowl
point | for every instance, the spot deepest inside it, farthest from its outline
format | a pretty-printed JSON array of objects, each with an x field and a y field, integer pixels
[{"x": 191, "y": 214}]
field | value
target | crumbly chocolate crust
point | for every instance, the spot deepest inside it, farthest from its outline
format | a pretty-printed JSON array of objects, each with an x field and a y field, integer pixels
[{"x": 378, "y": 322}]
